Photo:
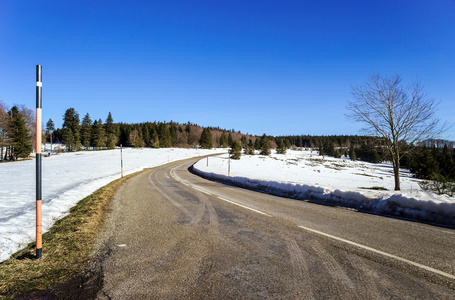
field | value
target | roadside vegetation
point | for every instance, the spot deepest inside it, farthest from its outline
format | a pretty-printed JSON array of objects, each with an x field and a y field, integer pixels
[{"x": 67, "y": 248}]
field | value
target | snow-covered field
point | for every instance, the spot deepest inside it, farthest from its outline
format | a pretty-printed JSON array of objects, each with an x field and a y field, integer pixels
[
  {"x": 67, "y": 179},
  {"x": 342, "y": 182}
]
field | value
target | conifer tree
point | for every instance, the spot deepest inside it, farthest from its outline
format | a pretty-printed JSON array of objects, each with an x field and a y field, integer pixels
[
  {"x": 71, "y": 123},
  {"x": 50, "y": 128},
  {"x": 250, "y": 150},
  {"x": 281, "y": 149},
  {"x": 111, "y": 132},
  {"x": 321, "y": 150},
  {"x": 235, "y": 150},
  {"x": 86, "y": 131},
  {"x": 328, "y": 148},
  {"x": 154, "y": 139},
  {"x": 145, "y": 130},
  {"x": 165, "y": 136},
  {"x": 68, "y": 139},
  {"x": 223, "y": 140},
  {"x": 92, "y": 133},
  {"x": 77, "y": 140},
  {"x": 4, "y": 137},
  {"x": 173, "y": 134},
  {"x": 188, "y": 132},
  {"x": 257, "y": 144},
  {"x": 21, "y": 146},
  {"x": 265, "y": 147},
  {"x": 230, "y": 140},
  {"x": 352, "y": 154},
  {"x": 288, "y": 144},
  {"x": 244, "y": 141},
  {"x": 206, "y": 139},
  {"x": 98, "y": 135},
  {"x": 135, "y": 138}
]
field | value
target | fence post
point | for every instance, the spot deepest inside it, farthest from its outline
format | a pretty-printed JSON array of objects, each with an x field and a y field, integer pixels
[{"x": 39, "y": 225}]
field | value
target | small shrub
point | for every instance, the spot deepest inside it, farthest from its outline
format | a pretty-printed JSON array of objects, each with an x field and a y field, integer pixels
[{"x": 439, "y": 185}]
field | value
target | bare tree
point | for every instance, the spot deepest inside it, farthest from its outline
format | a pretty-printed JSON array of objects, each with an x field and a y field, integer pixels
[{"x": 401, "y": 115}]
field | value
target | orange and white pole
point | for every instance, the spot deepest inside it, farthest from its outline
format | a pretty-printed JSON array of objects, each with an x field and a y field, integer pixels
[
  {"x": 121, "y": 159},
  {"x": 229, "y": 165},
  {"x": 39, "y": 225}
]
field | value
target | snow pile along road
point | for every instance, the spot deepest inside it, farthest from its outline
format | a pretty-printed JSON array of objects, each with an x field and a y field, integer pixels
[
  {"x": 341, "y": 182},
  {"x": 67, "y": 179}
]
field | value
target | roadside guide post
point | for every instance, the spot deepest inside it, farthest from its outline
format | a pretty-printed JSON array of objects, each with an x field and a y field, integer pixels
[
  {"x": 229, "y": 165},
  {"x": 39, "y": 226},
  {"x": 121, "y": 159}
]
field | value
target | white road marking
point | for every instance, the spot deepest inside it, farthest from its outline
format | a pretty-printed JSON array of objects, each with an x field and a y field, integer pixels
[
  {"x": 184, "y": 182},
  {"x": 442, "y": 273},
  {"x": 178, "y": 179},
  {"x": 244, "y": 206},
  {"x": 201, "y": 190},
  {"x": 208, "y": 193}
]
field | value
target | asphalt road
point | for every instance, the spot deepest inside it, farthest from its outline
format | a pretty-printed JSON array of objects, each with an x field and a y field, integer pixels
[{"x": 173, "y": 235}]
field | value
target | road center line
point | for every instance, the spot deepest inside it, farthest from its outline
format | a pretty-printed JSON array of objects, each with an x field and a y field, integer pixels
[
  {"x": 205, "y": 192},
  {"x": 382, "y": 253},
  {"x": 201, "y": 190},
  {"x": 244, "y": 206}
]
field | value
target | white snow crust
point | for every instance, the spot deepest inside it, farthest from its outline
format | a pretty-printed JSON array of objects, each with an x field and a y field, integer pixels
[{"x": 341, "y": 182}]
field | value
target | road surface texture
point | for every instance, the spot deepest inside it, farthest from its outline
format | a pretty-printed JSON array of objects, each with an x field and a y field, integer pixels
[{"x": 173, "y": 235}]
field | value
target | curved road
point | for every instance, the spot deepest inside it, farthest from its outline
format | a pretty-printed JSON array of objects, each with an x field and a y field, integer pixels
[{"x": 173, "y": 235}]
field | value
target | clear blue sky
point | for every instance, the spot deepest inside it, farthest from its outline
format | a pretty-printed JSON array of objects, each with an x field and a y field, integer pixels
[{"x": 275, "y": 67}]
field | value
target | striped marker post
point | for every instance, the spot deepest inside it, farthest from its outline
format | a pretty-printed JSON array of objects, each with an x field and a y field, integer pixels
[
  {"x": 121, "y": 159},
  {"x": 39, "y": 227},
  {"x": 229, "y": 166}
]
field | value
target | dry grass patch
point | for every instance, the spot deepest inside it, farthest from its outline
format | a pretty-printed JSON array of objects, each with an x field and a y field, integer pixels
[
  {"x": 376, "y": 188},
  {"x": 67, "y": 248}
]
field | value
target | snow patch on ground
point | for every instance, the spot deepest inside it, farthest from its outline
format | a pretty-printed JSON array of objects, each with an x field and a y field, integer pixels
[
  {"x": 67, "y": 179},
  {"x": 355, "y": 184}
]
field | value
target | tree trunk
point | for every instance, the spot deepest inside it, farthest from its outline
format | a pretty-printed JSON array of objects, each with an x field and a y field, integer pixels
[{"x": 396, "y": 172}]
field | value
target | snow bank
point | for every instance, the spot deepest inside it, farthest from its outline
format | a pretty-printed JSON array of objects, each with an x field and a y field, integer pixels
[
  {"x": 67, "y": 178},
  {"x": 341, "y": 182}
]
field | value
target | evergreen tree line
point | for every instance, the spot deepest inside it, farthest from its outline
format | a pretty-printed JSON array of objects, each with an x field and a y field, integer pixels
[
  {"x": 431, "y": 163},
  {"x": 338, "y": 141},
  {"x": 365, "y": 148},
  {"x": 429, "y": 160},
  {"x": 86, "y": 134},
  {"x": 434, "y": 160},
  {"x": 17, "y": 132}
]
